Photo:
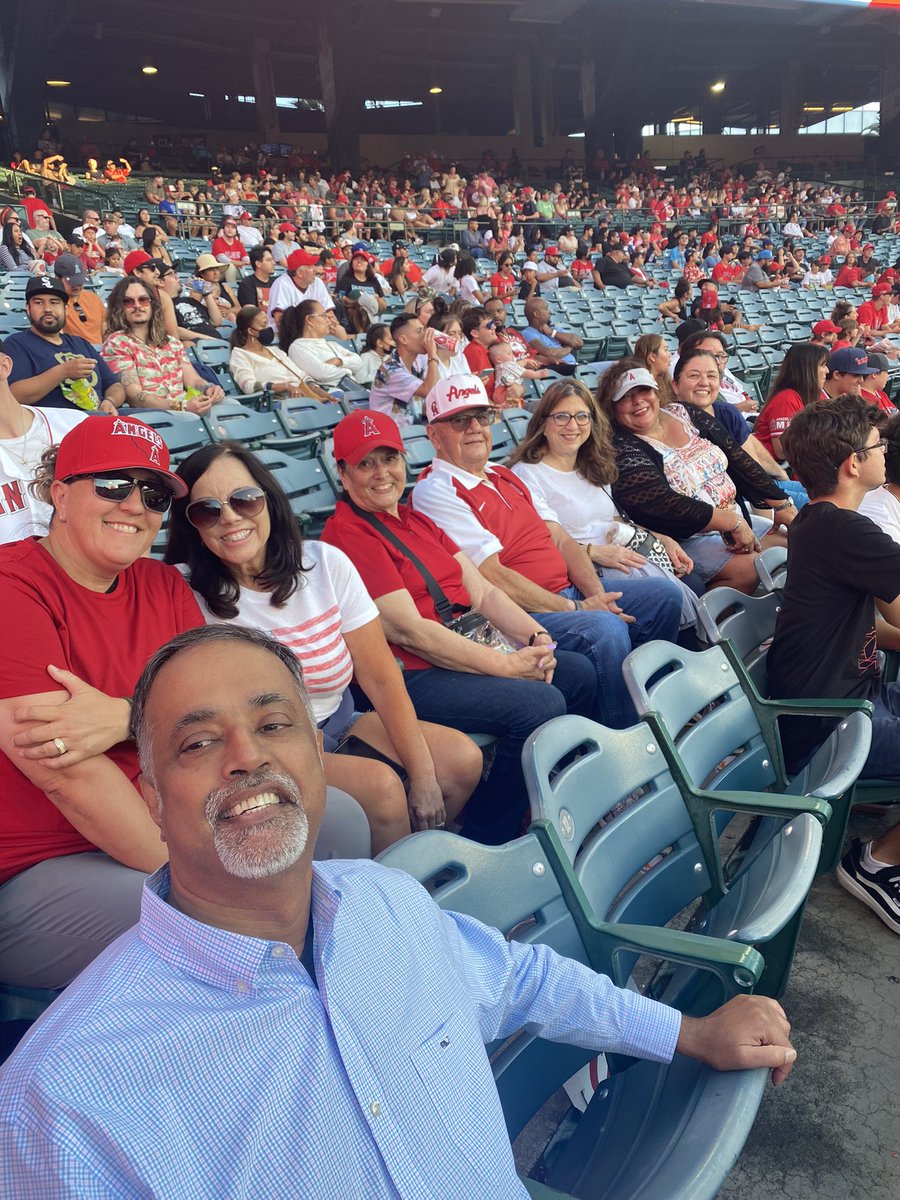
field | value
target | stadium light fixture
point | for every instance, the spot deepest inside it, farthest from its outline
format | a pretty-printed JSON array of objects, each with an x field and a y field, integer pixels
[
  {"x": 718, "y": 86},
  {"x": 149, "y": 69},
  {"x": 59, "y": 83},
  {"x": 435, "y": 90}
]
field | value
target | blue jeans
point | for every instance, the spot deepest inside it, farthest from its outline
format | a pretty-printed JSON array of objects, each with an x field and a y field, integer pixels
[
  {"x": 884, "y": 756},
  {"x": 510, "y": 709},
  {"x": 603, "y": 638}
]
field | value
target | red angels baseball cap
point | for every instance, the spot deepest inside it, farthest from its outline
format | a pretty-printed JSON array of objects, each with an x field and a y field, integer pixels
[
  {"x": 135, "y": 259},
  {"x": 362, "y": 431},
  {"x": 455, "y": 394},
  {"x": 552, "y": 249},
  {"x": 115, "y": 444},
  {"x": 286, "y": 226},
  {"x": 301, "y": 258},
  {"x": 881, "y": 289},
  {"x": 821, "y": 327}
]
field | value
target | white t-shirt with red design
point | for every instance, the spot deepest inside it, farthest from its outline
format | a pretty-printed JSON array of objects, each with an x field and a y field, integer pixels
[{"x": 330, "y": 600}]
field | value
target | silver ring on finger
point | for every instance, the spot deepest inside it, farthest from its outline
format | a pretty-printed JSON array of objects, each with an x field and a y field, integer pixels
[{"x": 60, "y": 747}]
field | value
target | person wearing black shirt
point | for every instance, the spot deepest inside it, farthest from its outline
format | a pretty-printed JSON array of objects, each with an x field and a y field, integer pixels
[
  {"x": 613, "y": 270},
  {"x": 840, "y": 566},
  {"x": 254, "y": 289}
]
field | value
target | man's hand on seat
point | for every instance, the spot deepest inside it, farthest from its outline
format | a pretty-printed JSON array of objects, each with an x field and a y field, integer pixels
[{"x": 747, "y": 1032}]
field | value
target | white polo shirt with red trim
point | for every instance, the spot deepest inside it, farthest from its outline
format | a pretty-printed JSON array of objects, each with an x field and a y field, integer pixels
[{"x": 492, "y": 515}]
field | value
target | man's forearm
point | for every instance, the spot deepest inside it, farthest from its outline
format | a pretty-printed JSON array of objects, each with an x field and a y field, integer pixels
[
  {"x": 35, "y": 388},
  {"x": 526, "y": 594}
]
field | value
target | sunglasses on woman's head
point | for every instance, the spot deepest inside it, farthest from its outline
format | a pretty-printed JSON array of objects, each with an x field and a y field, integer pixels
[
  {"x": 243, "y": 502},
  {"x": 156, "y": 497}
]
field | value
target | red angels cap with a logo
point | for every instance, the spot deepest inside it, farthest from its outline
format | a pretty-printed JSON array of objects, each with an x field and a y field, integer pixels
[
  {"x": 455, "y": 394},
  {"x": 103, "y": 443},
  {"x": 363, "y": 431}
]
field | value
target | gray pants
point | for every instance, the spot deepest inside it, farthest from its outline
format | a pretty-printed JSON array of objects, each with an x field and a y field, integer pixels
[{"x": 57, "y": 916}]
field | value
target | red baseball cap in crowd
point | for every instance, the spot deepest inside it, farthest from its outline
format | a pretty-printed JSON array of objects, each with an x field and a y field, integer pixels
[
  {"x": 821, "y": 327},
  {"x": 552, "y": 249},
  {"x": 868, "y": 246},
  {"x": 301, "y": 258},
  {"x": 286, "y": 226},
  {"x": 363, "y": 431},
  {"x": 881, "y": 289},
  {"x": 101, "y": 444},
  {"x": 245, "y": 216},
  {"x": 135, "y": 259},
  {"x": 455, "y": 394}
]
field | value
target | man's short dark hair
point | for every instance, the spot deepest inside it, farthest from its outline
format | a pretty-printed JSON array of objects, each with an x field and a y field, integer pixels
[
  {"x": 744, "y": 256},
  {"x": 400, "y": 322},
  {"x": 256, "y": 254},
  {"x": 472, "y": 318},
  {"x": 702, "y": 335},
  {"x": 822, "y": 435}
]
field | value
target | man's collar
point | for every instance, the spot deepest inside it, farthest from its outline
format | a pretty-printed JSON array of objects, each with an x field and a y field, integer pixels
[
  {"x": 466, "y": 478},
  {"x": 218, "y": 957}
]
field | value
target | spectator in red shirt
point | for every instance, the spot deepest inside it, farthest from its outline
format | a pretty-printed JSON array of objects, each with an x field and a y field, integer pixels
[
  {"x": 872, "y": 389},
  {"x": 479, "y": 328},
  {"x": 413, "y": 274},
  {"x": 849, "y": 275},
  {"x": 872, "y": 314},
  {"x": 228, "y": 248}
]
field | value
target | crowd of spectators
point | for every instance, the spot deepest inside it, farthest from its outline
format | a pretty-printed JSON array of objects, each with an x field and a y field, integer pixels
[{"x": 492, "y": 598}]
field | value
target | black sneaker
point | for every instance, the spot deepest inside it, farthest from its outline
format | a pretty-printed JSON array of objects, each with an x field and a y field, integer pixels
[{"x": 880, "y": 890}]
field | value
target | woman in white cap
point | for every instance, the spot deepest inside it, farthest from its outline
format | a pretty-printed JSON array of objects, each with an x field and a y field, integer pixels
[
  {"x": 681, "y": 474},
  {"x": 88, "y": 609}
]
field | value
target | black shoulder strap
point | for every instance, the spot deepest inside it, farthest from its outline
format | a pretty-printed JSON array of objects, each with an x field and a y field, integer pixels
[{"x": 441, "y": 600}]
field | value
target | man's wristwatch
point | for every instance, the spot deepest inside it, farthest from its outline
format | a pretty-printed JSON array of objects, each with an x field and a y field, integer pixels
[{"x": 780, "y": 504}]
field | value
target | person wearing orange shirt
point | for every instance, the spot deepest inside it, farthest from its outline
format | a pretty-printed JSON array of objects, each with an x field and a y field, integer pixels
[{"x": 85, "y": 312}]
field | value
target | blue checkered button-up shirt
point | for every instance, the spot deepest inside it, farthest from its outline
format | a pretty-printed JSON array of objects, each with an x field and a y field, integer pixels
[{"x": 188, "y": 1062}]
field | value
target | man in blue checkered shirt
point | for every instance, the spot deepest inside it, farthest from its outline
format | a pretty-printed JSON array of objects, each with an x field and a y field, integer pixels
[{"x": 274, "y": 1027}]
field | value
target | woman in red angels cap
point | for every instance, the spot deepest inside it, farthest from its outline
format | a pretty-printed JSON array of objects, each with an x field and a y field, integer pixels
[{"x": 83, "y": 609}]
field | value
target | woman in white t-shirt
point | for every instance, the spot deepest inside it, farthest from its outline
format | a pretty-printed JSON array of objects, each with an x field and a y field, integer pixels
[
  {"x": 883, "y": 504},
  {"x": 567, "y": 462},
  {"x": 303, "y": 336},
  {"x": 441, "y": 276},
  {"x": 238, "y": 543},
  {"x": 467, "y": 281}
]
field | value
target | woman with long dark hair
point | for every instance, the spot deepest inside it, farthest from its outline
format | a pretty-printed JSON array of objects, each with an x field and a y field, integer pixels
[
  {"x": 240, "y": 547},
  {"x": 15, "y": 253},
  {"x": 303, "y": 334},
  {"x": 798, "y": 383},
  {"x": 568, "y": 463}
]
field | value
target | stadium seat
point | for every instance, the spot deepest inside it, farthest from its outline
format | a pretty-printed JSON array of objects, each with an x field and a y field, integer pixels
[
  {"x": 718, "y": 732},
  {"x": 650, "y": 1131},
  {"x": 232, "y": 421},
  {"x": 637, "y": 842},
  {"x": 307, "y": 486}
]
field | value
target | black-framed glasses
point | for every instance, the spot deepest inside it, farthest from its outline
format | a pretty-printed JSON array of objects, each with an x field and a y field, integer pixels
[
  {"x": 243, "y": 502},
  {"x": 461, "y": 421},
  {"x": 155, "y": 497},
  {"x": 563, "y": 418},
  {"x": 862, "y": 451}
]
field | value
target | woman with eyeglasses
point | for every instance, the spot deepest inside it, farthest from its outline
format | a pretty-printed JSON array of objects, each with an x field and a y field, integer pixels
[
  {"x": 567, "y": 461},
  {"x": 243, "y": 555},
  {"x": 84, "y": 609},
  {"x": 471, "y": 685}
]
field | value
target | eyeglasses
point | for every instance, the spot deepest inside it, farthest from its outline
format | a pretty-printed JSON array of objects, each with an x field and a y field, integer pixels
[
  {"x": 154, "y": 496},
  {"x": 862, "y": 451},
  {"x": 563, "y": 418},
  {"x": 243, "y": 502},
  {"x": 721, "y": 357},
  {"x": 461, "y": 421},
  {"x": 135, "y": 301}
]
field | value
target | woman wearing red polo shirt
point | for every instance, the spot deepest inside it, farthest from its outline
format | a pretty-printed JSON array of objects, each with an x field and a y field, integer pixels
[{"x": 798, "y": 383}]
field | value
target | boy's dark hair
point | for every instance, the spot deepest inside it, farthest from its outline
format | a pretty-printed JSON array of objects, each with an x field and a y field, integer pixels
[
  {"x": 891, "y": 434},
  {"x": 822, "y": 435}
]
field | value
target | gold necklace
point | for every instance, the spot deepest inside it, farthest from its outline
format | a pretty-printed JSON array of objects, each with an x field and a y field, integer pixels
[{"x": 22, "y": 458}]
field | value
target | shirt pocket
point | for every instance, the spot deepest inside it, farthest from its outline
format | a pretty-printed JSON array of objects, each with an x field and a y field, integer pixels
[{"x": 458, "y": 1091}]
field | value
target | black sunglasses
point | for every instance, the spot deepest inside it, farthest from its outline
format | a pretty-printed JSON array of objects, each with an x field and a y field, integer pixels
[
  {"x": 156, "y": 497},
  {"x": 243, "y": 502}
]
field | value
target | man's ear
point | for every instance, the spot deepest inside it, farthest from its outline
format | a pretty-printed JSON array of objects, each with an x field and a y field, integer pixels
[{"x": 152, "y": 800}]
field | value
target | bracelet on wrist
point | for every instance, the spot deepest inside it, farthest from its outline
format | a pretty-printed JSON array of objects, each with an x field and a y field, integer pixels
[
  {"x": 736, "y": 525},
  {"x": 539, "y": 633},
  {"x": 578, "y": 606}
]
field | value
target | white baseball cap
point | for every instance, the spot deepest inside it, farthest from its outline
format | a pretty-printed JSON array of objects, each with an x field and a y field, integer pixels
[
  {"x": 455, "y": 394},
  {"x": 640, "y": 378}
]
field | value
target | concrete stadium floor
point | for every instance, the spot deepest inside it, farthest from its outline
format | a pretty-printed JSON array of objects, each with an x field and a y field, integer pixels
[{"x": 832, "y": 1130}]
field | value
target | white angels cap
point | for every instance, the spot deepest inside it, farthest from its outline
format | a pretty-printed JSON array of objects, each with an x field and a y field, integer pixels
[
  {"x": 455, "y": 394},
  {"x": 640, "y": 378}
]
